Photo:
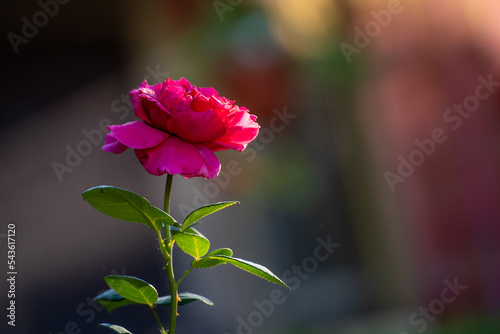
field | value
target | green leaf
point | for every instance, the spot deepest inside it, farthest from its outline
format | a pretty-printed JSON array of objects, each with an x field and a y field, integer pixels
[
  {"x": 186, "y": 298},
  {"x": 207, "y": 262},
  {"x": 133, "y": 289},
  {"x": 204, "y": 211},
  {"x": 126, "y": 205},
  {"x": 251, "y": 267},
  {"x": 116, "y": 328},
  {"x": 111, "y": 300},
  {"x": 191, "y": 230},
  {"x": 192, "y": 244}
]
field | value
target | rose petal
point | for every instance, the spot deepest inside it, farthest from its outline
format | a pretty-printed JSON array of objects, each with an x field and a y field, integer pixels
[
  {"x": 175, "y": 99},
  {"x": 138, "y": 135},
  {"x": 242, "y": 129},
  {"x": 208, "y": 91},
  {"x": 224, "y": 111},
  {"x": 174, "y": 156},
  {"x": 201, "y": 103},
  {"x": 154, "y": 104},
  {"x": 158, "y": 117},
  {"x": 197, "y": 127},
  {"x": 211, "y": 164},
  {"x": 238, "y": 141},
  {"x": 151, "y": 93},
  {"x": 112, "y": 145},
  {"x": 181, "y": 82},
  {"x": 138, "y": 102}
]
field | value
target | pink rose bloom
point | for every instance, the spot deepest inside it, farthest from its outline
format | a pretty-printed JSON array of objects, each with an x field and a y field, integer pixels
[{"x": 181, "y": 127}]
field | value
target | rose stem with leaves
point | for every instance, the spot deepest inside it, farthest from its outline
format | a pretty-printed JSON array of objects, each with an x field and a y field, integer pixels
[{"x": 169, "y": 265}]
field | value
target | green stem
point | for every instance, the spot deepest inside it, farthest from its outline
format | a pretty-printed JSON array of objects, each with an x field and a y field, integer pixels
[
  {"x": 163, "y": 248},
  {"x": 185, "y": 274},
  {"x": 169, "y": 266},
  {"x": 162, "y": 330},
  {"x": 173, "y": 290},
  {"x": 168, "y": 189}
]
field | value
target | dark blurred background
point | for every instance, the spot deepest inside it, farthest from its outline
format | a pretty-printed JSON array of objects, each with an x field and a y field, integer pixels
[{"x": 380, "y": 134}]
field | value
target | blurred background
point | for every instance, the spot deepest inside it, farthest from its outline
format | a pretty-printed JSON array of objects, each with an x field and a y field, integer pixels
[{"x": 373, "y": 187}]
